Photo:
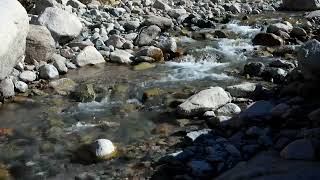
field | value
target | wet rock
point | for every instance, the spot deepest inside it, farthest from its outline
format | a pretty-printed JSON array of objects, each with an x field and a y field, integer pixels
[
  {"x": 282, "y": 64},
  {"x": 143, "y": 66},
  {"x": 275, "y": 28},
  {"x": 84, "y": 93},
  {"x": 309, "y": 62},
  {"x": 28, "y": 76},
  {"x": 62, "y": 25},
  {"x": 88, "y": 56},
  {"x": 21, "y": 86},
  {"x": 60, "y": 63},
  {"x": 254, "y": 68},
  {"x": 147, "y": 35},
  {"x": 48, "y": 71},
  {"x": 115, "y": 41},
  {"x": 168, "y": 44},
  {"x": 301, "y": 149},
  {"x": 209, "y": 99},
  {"x": 229, "y": 109},
  {"x": 121, "y": 56},
  {"x": 13, "y": 31},
  {"x": 7, "y": 88},
  {"x": 63, "y": 86},
  {"x": 301, "y": 5},
  {"x": 40, "y": 44},
  {"x": 151, "y": 51},
  {"x": 103, "y": 149},
  {"x": 298, "y": 32},
  {"x": 267, "y": 39},
  {"x": 162, "y": 22},
  {"x": 242, "y": 90},
  {"x": 151, "y": 93},
  {"x": 277, "y": 75}
]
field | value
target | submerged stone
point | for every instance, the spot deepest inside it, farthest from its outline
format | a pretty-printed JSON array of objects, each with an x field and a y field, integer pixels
[{"x": 84, "y": 93}]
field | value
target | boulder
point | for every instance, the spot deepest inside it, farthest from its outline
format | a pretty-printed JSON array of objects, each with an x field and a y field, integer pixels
[
  {"x": 241, "y": 90},
  {"x": 28, "y": 76},
  {"x": 229, "y": 109},
  {"x": 162, "y": 22},
  {"x": 7, "y": 88},
  {"x": 267, "y": 39},
  {"x": 301, "y": 149},
  {"x": 121, "y": 56},
  {"x": 147, "y": 35},
  {"x": 151, "y": 51},
  {"x": 13, "y": 32},
  {"x": 209, "y": 99},
  {"x": 88, "y": 56},
  {"x": 301, "y": 5},
  {"x": 60, "y": 63},
  {"x": 62, "y": 25},
  {"x": 309, "y": 62},
  {"x": 48, "y": 71},
  {"x": 40, "y": 44}
]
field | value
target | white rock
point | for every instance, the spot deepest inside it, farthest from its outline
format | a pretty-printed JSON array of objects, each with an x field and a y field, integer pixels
[
  {"x": 48, "y": 71},
  {"x": 7, "y": 88},
  {"x": 13, "y": 32},
  {"x": 88, "y": 56},
  {"x": 229, "y": 109},
  {"x": 209, "y": 99},
  {"x": 241, "y": 90},
  {"x": 21, "y": 86},
  {"x": 62, "y": 25},
  {"x": 209, "y": 114},
  {"x": 60, "y": 63},
  {"x": 121, "y": 56},
  {"x": 28, "y": 76},
  {"x": 102, "y": 148}
]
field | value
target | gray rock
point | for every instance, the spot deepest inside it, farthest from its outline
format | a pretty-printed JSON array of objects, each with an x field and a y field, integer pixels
[
  {"x": 75, "y": 4},
  {"x": 115, "y": 41},
  {"x": 301, "y": 149},
  {"x": 233, "y": 150},
  {"x": 309, "y": 62},
  {"x": 62, "y": 25},
  {"x": 147, "y": 35},
  {"x": 28, "y": 76},
  {"x": 131, "y": 25},
  {"x": 162, "y": 22},
  {"x": 121, "y": 56},
  {"x": 282, "y": 64},
  {"x": 241, "y": 90},
  {"x": 267, "y": 39},
  {"x": 298, "y": 32},
  {"x": 229, "y": 109},
  {"x": 301, "y": 5},
  {"x": 40, "y": 44},
  {"x": 159, "y": 4},
  {"x": 60, "y": 63},
  {"x": 275, "y": 28},
  {"x": 235, "y": 8},
  {"x": 259, "y": 109},
  {"x": 41, "y": 5},
  {"x": 168, "y": 44},
  {"x": 254, "y": 68},
  {"x": 7, "y": 88},
  {"x": 151, "y": 51},
  {"x": 209, "y": 99},
  {"x": 13, "y": 32},
  {"x": 21, "y": 86},
  {"x": 48, "y": 71},
  {"x": 88, "y": 56},
  {"x": 176, "y": 13},
  {"x": 102, "y": 148}
]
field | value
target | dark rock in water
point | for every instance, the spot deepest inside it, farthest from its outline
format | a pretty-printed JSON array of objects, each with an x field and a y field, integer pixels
[
  {"x": 254, "y": 68},
  {"x": 84, "y": 93},
  {"x": 267, "y": 39},
  {"x": 301, "y": 5}
]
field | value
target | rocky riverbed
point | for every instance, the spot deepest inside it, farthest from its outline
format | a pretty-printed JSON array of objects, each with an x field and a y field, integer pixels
[{"x": 155, "y": 89}]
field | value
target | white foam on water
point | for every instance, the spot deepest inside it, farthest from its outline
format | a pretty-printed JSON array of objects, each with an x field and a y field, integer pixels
[
  {"x": 234, "y": 49},
  {"x": 244, "y": 31},
  {"x": 79, "y": 126}
]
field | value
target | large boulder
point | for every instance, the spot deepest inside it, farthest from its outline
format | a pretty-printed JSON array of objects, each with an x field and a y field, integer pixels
[
  {"x": 13, "y": 32},
  {"x": 309, "y": 61},
  {"x": 301, "y": 5},
  {"x": 62, "y": 25},
  {"x": 209, "y": 99},
  {"x": 40, "y": 44},
  {"x": 267, "y": 39},
  {"x": 147, "y": 35}
]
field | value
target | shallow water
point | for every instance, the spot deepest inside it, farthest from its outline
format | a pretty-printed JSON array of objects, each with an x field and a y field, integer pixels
[{"x": 48, "y": 129}]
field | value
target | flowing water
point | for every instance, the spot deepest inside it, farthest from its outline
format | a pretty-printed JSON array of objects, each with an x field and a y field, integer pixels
[{"x": 48, "y": 129}]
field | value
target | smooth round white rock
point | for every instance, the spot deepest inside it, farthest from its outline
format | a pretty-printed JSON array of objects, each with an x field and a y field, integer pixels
[{"x": 102, "y": 148}]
